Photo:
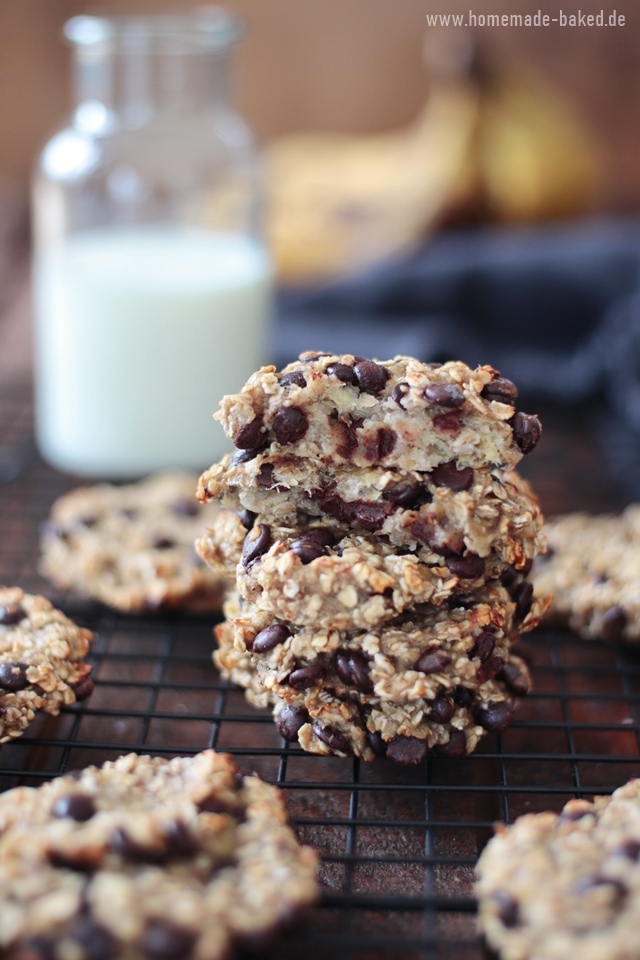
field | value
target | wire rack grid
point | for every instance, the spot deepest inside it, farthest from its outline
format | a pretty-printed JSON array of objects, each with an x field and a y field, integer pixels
[{"x": 398, "y": 845}]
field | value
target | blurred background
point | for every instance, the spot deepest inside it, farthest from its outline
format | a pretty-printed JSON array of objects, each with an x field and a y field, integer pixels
[{"x": 346, "y": 65}]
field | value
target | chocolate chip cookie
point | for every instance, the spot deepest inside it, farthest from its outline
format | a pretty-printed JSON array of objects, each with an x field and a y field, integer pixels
[
  {"x": 41, "y": 660},
  {"x": 437, "y": 675},
  {"x": 593, "y": 571},
  {"x": 556, "y": 886},
  {"x": 447, "y": 511},
  {"x": 335, "y": 577},
  {"x": 131, "y": 547},
  {"x": 149, "y": 859},
  {"x": 402, "y": 414}
]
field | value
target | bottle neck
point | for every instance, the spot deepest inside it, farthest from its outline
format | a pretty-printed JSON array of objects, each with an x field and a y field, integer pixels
[{"x": 137, "y": 86}]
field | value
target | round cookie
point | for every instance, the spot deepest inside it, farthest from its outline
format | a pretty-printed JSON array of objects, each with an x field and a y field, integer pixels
[
  {"x": 131, "y": 547},
  {"x": 431, "y": 676},
  {"x": 148, "y": 859},
  {"x": 41, "y": 660},
  {"x": 480, "y": 510},
  {"x": 403, "y": 414},
  {"x": 556, "y": 886},
  {"x": 328, "y": 576},
  {"x": 593, "y": 571}
]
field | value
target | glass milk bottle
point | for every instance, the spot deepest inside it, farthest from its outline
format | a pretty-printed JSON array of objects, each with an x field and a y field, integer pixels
[{"x": 152, "y": 285}]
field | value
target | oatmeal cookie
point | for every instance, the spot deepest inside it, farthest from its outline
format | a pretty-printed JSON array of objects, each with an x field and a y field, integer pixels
[
  {"x": 402, "y": 414},
  {"x": 325, "y": 575},
  {"x": 430, "y": 675},
  {"x": 593, "y": 571},
  {"x": 131, "y": 547},
  {"x": 41, "y": 660},
  {"x": 148, "y": 858},
  {"x": 448, "y": 510},
  {"x": 556, "y": 886}
]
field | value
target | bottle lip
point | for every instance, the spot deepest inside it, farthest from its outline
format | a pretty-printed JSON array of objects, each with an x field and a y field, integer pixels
[{"x": 202, "y": 28}]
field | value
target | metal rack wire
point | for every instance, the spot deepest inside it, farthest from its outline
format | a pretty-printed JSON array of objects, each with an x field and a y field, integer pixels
[{"x": 398, "y": 844}]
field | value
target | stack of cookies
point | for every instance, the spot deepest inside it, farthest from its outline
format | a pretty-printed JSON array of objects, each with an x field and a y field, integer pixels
[{"x": 380, "y": 542}]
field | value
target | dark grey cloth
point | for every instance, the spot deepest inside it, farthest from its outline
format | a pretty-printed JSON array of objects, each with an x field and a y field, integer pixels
[{"x": 556, "y": 309}]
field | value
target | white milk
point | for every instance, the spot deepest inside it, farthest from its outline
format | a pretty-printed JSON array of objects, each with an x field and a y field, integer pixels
[{"x": 140, "y": 332}]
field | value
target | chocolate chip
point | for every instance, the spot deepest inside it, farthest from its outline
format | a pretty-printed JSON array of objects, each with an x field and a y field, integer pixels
[
  {"x": 265, "y": 477},
  {"x": 296, "y": 377},
  {"x": 404, "y": 493},
  {"x": 463, "y": 696},
  {"x": 371, "y": 377},
  {"x": 256, "y": 543},
  {"x": 448, "y": 475},
  {"x": 163, "y": 543},
  {"x": 333, "y": 738},
  {"x": 445, "y": 423},
  {"x": 514, "y": 679},
  {"x": 424, "y": 531},
  {"x": 508, "y": 577},
  {"x": 584, "y": 884},
  {"x": 507, "y": 909},
  {"x": 613, "y": 623},
  {"x": 305, "y": 676},
  {"x": 84, "y": 860},
  {"x": 369, "y": 515},
  {"x": 407, "y": 749},
  {"x": 483, "y": 646},
  {"x": 501, "y": 389},
  {"x": 165, "y": 941},
  {"x": 347, "y": 439},
  {"x": 526, "y": 431},
  {"x": 342, "y": 372},
  {"x": 468, "y": 567},
  {"x": 290, "y": 424},
  {"x": 434, "y": 365},
  {"x": 312, "y": 544},
  {"x": 185, "y": 508},
  {"x": 523, "y": 599},
  {"x": 380, "y": 444},
  {"x": 270, "y": 637},
  {"x": 444, "y": 394},
  {"x": 179, "y": 839},
  {"x": 495, "y": 717},
  {"x": 353, "y": 669},
  {"x": 243, "y": 456},
  {"x": 399, "y": 392},
  {"x": 11, "y": 614},
  {"x": 96, "y": 942},
  {"x": 77, "y": 806},
  {"x": 289, "y": 721},
  {"x": 247, "y": 518},
  {"x": 13, "y": 675},
  {"x": 121, "y": 843},
  {"x": 364, "y": 513},
  {"x": 433, "y": 660},
  {"x": 36, "y": 948},
  {"x": 455, "y": 747},
  {"x": 376, "y": 743},
  {"x": 490, "y": 669},
  {"x": 251, "y": 435},
  {"x": 629, "y": 849},
  {"x": 441, "y": 710},
  {"x": 84, "y": 687}
]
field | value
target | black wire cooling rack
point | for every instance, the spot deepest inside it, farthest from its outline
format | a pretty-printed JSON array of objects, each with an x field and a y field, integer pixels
[{"x": 398, "y": 844}]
